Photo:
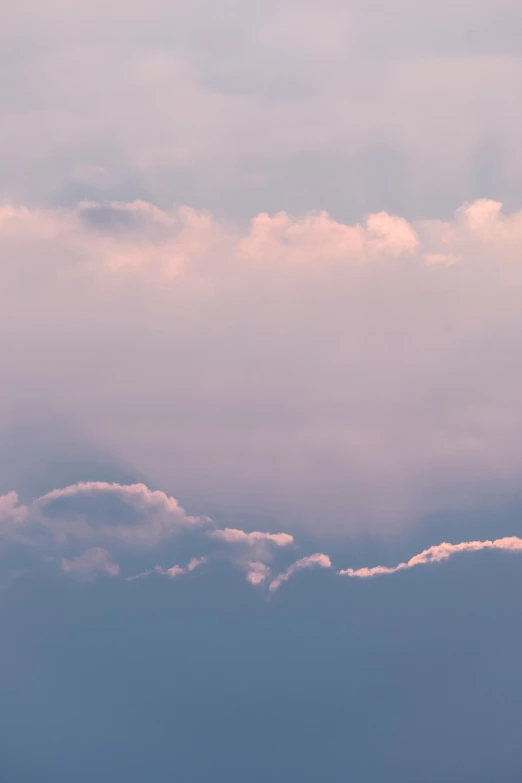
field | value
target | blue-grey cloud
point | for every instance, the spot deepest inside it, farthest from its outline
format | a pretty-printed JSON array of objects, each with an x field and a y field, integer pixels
[
  {"x": 145, "y": 519},
  {"x": 130, "y": 518}
]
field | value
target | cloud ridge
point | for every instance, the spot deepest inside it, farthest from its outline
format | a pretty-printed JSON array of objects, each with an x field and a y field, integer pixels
[{"x": 437, "y": 554}]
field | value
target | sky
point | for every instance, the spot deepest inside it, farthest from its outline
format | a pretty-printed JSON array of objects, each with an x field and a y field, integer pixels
[{"x": 260, "y": 420}]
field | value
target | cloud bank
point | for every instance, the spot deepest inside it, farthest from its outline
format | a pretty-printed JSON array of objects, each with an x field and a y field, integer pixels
[
  {"x": 142, "y": 520},
  {"x": 333, "y": 376}
]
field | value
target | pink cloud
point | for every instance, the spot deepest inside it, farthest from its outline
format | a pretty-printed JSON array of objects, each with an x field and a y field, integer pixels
[
  {"x": 311, "y": 319},
  {"x": 13, "y": 517},
  {"x": 177, "y": 570},
  {"x": 311, "y": 561},
  {"x": 437, "y": 554},
  {"x": 95, "y": 560},
  {"x": 257, "y": 572},
  {"x": 387, "y": 235},
  {"x": 165, "y": 242},
  {"x": 160, "y": 516},
  {"x": 234, "y": 536}
]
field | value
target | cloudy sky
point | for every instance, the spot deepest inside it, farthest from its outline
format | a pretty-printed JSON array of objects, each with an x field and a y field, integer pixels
[{"x": 260, "y": 399}]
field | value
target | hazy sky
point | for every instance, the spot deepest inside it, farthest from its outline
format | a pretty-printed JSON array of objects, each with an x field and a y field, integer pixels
[
  {"x": 241, "y": 107},
  {"x": 260, "y": 399}
]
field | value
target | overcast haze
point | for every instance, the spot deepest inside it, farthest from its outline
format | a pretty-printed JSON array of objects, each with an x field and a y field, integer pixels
[{"x": 260, "y": 399}]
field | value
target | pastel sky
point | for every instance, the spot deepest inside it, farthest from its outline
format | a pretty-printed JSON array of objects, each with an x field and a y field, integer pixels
[{"x": 260, "y": 399}]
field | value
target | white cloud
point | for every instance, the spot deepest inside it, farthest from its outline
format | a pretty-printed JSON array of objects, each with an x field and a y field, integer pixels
[
  {"x": 311, "y": 561},
  {"x": 436, "y": 554}
]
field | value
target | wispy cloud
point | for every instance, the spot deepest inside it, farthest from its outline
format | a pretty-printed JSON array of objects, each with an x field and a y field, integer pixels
[
  {"x": 234, "y": 536},
  {"x": 177, "y": 570},
  {"x": 436, "y": 554},
  {"x": 311, "y": 561}
]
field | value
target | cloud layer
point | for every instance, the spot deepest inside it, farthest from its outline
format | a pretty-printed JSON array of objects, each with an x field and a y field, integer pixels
[
  {"x": 341, "y": 377},
  {"x": 143, "y": 521},
  {"x": 406, "y": 107}
]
